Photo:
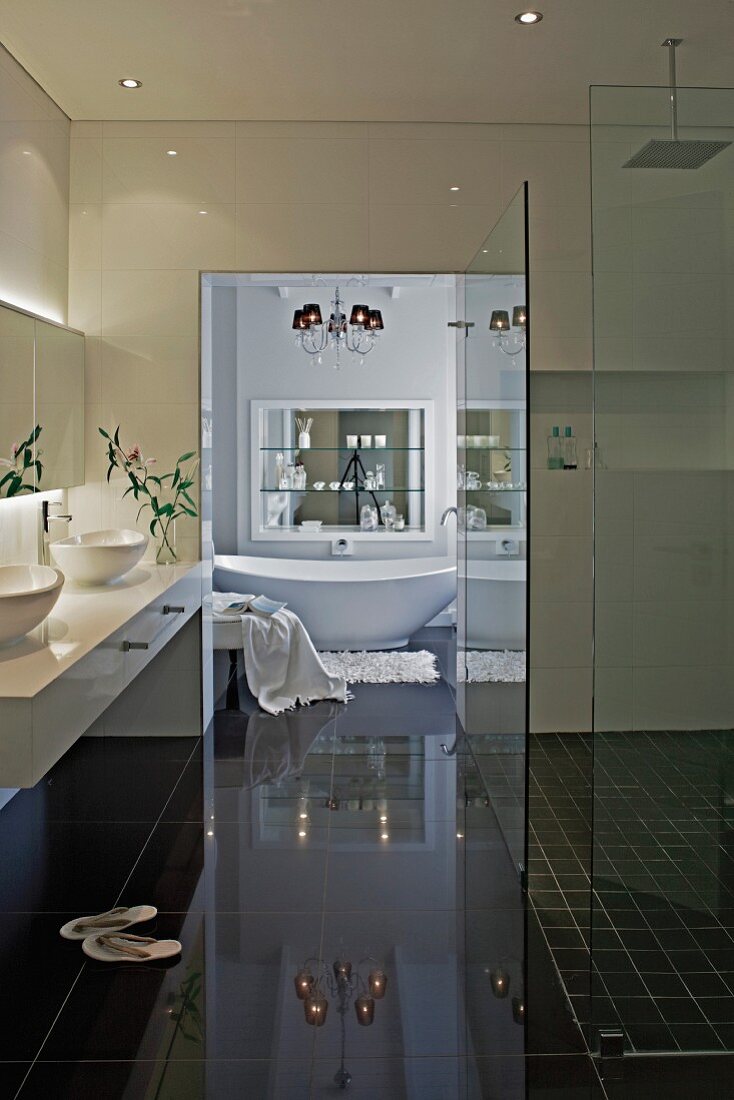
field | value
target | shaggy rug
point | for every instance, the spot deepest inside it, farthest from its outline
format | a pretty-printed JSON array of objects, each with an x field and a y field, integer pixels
[
  {"x": 383, "y": 667},
  {"x": 493, "y": 666}
]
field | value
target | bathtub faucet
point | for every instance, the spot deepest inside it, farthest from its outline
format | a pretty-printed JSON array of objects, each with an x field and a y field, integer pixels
[{"x": 447, "y": 512}]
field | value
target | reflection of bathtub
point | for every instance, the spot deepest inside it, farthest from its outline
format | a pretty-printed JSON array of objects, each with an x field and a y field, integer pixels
[
  {"x": 495, "y": 603},
  {"x": 347, "y": 604}
]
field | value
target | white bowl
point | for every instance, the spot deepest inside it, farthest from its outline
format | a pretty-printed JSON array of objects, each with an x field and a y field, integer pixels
[
  {"x": 27, "y": 596},
  {"x": 99, "y": 557}
]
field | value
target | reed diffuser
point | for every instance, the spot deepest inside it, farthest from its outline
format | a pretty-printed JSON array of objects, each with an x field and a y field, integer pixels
[{"x": 304, "y": 432}]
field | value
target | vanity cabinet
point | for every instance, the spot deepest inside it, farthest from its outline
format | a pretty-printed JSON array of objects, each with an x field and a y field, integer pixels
[{"x": 59, "y": 680}]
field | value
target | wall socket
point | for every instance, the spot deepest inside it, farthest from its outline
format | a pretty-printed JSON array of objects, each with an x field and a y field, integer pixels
[
  {"x": 507, "y": 548},
  {"x": 342, "y": 548}
]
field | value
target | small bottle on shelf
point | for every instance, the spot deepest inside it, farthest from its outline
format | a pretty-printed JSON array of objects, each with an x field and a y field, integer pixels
[
  {"x": 570, "y": 459},
  {"x": 555, "y": 453}
]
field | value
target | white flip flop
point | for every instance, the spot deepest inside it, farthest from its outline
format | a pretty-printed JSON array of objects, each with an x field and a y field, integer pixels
[
  {"x": 116, "y": 947},
  {"x": 114, "y": 920}
]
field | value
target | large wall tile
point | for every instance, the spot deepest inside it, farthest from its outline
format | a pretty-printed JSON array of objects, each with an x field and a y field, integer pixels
[
  {"x": 325, "y": 237},
  {"x": 427, "y": 237},
  {"x": 418, "y": 172},
  {"x": 168, "y": 235},
  {"x": 560, "y": 700},
  {"x": 156, "y": 303},
  {"x": 140, "y": 170},
  {"x": 303, "y": 169}
]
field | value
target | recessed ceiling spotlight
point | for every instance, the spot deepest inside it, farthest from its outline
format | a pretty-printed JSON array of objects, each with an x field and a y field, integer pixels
[
  {"x": 454, "y": 189},
  {"x": 171, "y": 153},
  {"x": 529, "y": 17},
  {"x": 203, "y": 211},
  {"x": 384, "y": 836},
  {"x": 130, "y": 82},
  {"x": 26, "y": 152}
]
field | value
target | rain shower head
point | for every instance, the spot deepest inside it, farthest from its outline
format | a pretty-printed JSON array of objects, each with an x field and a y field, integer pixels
[{"x": 673, "y": 152}]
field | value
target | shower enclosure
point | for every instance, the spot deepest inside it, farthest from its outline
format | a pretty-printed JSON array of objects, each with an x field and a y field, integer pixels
[{"x": 662, "y": 867}]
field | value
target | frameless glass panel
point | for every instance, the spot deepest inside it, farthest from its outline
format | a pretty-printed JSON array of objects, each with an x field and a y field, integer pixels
[
  {"x": 491, "y": 643},
  {"x": 662, "y": 924},
  {"x": 492, "y": 488}
]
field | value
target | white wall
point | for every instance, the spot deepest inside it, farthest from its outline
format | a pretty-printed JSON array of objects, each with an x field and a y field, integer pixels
[{"x": 414, "y": 359}]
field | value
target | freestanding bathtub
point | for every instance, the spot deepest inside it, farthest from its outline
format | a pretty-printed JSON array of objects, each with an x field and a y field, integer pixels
[
  {"x": 496, "y": 592},
  {"x": 347, "y": 604}
]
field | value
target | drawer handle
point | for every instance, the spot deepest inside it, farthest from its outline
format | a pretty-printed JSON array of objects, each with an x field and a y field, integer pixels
[
  {"x": 173, "y": 609},
  {"x": 126, "y": 646}
]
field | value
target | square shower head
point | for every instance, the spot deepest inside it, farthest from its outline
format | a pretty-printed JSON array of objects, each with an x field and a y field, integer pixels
[{"x": 667, "y": 153}]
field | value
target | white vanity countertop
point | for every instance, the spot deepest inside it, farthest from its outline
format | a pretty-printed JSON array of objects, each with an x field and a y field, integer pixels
[{"x": 82, "y": 619}]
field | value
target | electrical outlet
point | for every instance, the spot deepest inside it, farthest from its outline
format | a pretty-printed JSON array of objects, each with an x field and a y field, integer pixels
[{"x": 342, "y": 548}]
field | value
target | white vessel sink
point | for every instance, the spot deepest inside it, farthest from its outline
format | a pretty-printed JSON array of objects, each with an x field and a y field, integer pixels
[
  {"x": 27, "y": 595},
  {"x": 99, "y": 557}
]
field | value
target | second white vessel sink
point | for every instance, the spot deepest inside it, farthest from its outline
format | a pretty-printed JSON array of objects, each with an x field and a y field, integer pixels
[
  {"x": 27, "y": 596},
  {"x": 99, "y": 557}
]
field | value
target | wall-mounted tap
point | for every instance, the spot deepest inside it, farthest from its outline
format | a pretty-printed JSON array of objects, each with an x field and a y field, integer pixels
[
  {"x": 447, "y": 512},
  {"x": 47, "y": 518}
]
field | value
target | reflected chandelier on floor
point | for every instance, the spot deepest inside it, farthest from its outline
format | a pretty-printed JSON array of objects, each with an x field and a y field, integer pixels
[{"x": 358, "y": 336}]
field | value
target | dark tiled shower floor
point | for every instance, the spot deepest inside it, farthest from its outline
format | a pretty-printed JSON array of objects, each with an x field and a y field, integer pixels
[{"x": 662, "y": 925}]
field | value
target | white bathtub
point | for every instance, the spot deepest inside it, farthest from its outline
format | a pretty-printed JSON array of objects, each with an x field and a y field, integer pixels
[
  {"x": 495, "y": 603},
  {"x": 347, "y": 604}
]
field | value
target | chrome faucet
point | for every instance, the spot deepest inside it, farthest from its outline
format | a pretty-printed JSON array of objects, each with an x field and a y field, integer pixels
[
  {"x": 447, "y": 512},
  {"x": 47, "y": 518}
]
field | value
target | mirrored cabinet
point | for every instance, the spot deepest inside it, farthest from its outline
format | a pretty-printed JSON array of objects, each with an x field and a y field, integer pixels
[
  {"x": 41, "y": 404},
  {"x": 330, "y": 467}
]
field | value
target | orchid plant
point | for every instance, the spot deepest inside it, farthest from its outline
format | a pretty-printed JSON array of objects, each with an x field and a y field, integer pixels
[
  {"x": 167, "y": 495},
  {"x": 24, "y": 462}
]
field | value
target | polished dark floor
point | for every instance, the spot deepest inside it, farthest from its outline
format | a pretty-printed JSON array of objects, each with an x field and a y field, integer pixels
[
  {"x": 208, "y": 831},
  {"x": 661, "y": 922}
]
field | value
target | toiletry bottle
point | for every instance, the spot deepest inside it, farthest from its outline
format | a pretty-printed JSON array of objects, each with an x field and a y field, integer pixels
[
  {"x": 555, "y": 454},
  {"x": 279, "y": 469},
  {"x": 570, "y": 460},
  {"x": 388, "y": 511}
]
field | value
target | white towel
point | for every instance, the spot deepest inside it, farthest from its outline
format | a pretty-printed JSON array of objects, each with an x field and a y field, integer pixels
[{"x": 282, "y": 666}]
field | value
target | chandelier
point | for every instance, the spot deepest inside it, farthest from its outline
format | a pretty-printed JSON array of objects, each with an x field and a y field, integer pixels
[
  {"x": 509, "y": 338},
  {"x": 357, "y": 336},
  {"x": 347, "y": 986}
]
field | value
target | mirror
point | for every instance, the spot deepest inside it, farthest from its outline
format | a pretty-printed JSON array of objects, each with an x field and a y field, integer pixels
[
  {"x": 60, "y": 405},
  {"x": 41, "y": 405},
  {"x": 17, "y": 422},
  {"x": 326, "y": 467}
]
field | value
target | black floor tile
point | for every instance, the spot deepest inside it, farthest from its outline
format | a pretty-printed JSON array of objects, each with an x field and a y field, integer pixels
[
  {"x": 38, "y": 969},
  {"x": 673, "y": 1077},
  {"x": 168, "y": 869},
  {"x": 77, "y": 867}
]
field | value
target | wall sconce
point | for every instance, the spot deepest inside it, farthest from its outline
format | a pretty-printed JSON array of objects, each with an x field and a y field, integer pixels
[{"x": 510, "y": 339}]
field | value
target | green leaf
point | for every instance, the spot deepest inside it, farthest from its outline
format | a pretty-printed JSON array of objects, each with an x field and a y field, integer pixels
[
  {"x": 117, "y": 435},
  {"x": 187, "y": 456},
  {"x": 102, "y": 432},
  {"x": 153, "y": 523}
]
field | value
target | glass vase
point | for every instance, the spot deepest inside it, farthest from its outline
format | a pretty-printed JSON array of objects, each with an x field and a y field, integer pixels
[{"x": 166, "y": 550}]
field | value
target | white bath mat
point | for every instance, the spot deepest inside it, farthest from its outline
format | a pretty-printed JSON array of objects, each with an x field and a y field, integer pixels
[
  {"x": 383, "y": 667},
  {"x": 499, "y": 666}
]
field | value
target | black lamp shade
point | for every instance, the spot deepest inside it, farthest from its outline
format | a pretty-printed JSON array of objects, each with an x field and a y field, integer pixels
[
  {"x": 342, "y": 969},
  {"x": 360, "y": 315},
  {"x": 364, "y": 1006},
  {"x": 298, "y": 320},
  {"x": 315, "y": 1007},
  {"x": 375, "y": 321},
  {"x": 500, "y": 321},
  {"x": 312, "y": 313},
  {"x": 377, "y": 982},
  {"x": 518, "y": 1010},
  {"x": 500, "y": 982},
  {"x": 303, "y": 982},
  {"x": 519, "y": 317}
]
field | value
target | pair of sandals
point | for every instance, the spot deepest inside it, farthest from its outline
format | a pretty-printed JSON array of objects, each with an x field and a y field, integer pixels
[{"x": 104, "y": 937}]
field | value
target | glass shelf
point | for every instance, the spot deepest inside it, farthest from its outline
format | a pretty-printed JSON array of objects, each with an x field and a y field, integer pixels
[
  {"x": 503, "y": 492},
  {"x": 347, "y": 450},
  {"x": 495, "y": 450},
  {"x": 354, "y": 489}
]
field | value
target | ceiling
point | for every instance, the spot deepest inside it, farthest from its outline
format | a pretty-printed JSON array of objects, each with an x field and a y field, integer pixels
[{"x": 389, "y": 60}]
